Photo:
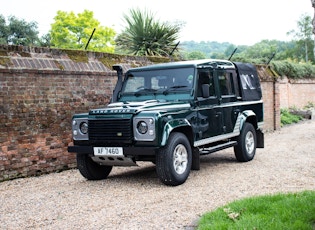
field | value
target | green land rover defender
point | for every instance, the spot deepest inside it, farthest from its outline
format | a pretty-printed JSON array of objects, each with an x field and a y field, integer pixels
[{"x": 171, "y": 114}]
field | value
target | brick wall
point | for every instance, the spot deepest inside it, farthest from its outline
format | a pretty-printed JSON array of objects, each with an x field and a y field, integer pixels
[
  {"x": 271, "y": 98},
  {"x": 296, "y": 93},
  {"x": 35, "y": 110},
  {"x": 40, "y": 90},
  {"x": 269, "y": 102}
]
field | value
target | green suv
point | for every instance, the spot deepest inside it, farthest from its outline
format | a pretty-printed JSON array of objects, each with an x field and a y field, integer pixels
[{"x": 171, "y": 114}]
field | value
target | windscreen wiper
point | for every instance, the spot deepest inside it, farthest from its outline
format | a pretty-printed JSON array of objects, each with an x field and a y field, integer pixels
[
  {"x": 145, "y": 90},
  {"x": 165, "y": 92}
]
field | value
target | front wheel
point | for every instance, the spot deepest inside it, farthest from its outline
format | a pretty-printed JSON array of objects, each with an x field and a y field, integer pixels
[
  {"x": 173, "y": 162},
  {"x": 246, "y": 143},
  {"x": 90, "y": 169}
]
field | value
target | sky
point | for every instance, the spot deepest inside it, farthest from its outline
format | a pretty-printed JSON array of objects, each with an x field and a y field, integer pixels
[{"x": 242, "y": 22}]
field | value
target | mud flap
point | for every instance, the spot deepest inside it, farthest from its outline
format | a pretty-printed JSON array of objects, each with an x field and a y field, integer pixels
[
  {"x": 260, "y": 139},
  {"x": 195, "y": 164}
]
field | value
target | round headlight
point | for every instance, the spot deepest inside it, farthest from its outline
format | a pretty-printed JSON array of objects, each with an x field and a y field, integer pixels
[
  {"x": 84, "y": 128},
  {"x": 142, "y": 127}
]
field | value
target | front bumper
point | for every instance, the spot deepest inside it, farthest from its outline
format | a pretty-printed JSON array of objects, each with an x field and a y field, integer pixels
[{"x": 128, "y": 151}]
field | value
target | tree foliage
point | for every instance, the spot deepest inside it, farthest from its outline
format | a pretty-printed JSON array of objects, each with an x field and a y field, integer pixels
[
  {"x": 72, "y": 31},
  {"x": 18, "y": 32},
  {"x": 210, "y": 49},
  {"x": 294, "y": 70},
  {"x": 143, "y": 35},
  {"x": 194, "y": 55},
  {"x": 258, "y": 53},
  {"x": 303, "y": 36}
]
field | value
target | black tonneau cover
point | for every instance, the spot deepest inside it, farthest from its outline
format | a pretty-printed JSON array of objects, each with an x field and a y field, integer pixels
[{"x": 250, "y": 84}]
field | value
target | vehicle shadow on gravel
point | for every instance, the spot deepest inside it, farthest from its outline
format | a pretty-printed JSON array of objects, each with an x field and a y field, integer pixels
[
  {"x": 222, "y": 157},
  {"x": 145, "y": 173}
]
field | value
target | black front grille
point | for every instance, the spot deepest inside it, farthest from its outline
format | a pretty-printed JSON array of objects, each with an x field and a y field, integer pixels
[{"x": 110, "y": 131}]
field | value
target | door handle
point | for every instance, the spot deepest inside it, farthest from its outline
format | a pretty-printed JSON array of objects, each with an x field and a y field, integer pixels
[{"x": 218, "y": 114}]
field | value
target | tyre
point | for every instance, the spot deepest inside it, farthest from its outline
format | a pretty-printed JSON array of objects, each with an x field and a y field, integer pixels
[
  {"x": 91, "y": 170},
  {"x": 246, "y": 143},
  {"x": 173, "y": 162}
]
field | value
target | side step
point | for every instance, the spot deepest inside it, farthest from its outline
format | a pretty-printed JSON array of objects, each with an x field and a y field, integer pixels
[{"x": 206, "y": 151}]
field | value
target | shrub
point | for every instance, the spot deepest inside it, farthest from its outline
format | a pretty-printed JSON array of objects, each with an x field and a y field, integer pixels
[{"x": 288, "y": 118}]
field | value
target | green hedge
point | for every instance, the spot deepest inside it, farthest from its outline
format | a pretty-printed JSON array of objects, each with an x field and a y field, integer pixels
[{"x": 293, "y": 70}]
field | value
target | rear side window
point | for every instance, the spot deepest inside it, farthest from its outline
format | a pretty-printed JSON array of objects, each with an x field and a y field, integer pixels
[
  {"x": 249, "y": 81},
  {"x": 226, "y": 84}
]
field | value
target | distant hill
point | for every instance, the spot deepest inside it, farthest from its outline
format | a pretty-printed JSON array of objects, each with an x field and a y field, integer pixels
[
  {"x": 209, "y": 48},
  {"x": 261, "y": 52}
]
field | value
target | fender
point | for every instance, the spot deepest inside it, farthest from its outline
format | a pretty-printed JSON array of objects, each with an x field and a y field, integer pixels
[
  {"x": 251, "y": 116},
  {"x": 243, "y": 117},
  {"x": 170, "y": 126}
]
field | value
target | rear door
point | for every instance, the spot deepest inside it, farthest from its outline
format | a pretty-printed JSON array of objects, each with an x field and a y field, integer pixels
[{"x": 229, "y": 98}]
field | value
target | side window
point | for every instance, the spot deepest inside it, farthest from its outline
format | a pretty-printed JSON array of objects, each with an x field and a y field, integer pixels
[
  {"x": 206, "y": 78},
  {"x": 226, "y": 83}
]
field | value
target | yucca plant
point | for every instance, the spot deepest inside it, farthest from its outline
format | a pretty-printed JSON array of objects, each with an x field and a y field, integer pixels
[{"x": 145, "y": 36}]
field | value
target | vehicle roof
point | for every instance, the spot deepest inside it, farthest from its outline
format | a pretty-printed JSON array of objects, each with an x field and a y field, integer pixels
[{"x": 214, "y": 63}]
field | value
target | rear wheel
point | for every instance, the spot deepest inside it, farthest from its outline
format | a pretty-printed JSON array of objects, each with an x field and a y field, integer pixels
[
  {"x": 91, "y": 170},
  {"x": 173, "y": 162},
  {"x": 246, "y": 143}
]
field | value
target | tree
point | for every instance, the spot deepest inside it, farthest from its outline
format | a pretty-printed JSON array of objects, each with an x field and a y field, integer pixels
[
  {"x": 4, "y": 31},
  {"x": 313, "y": 24},
  {"x": 195, "y": 55},
  {"x": 304, "y": 34},
  {"x": 18, "y": 31},
  {"x": 262, "y": 51},
  {"x": 74, "y": 31},
  {"x": 210, "y": 49},
  {"x": 143, "y": 35},
  {"x": 45, "y": 40}
]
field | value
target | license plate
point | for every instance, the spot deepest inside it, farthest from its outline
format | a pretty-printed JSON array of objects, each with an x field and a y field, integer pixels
[{"x": 108, "y": 151}]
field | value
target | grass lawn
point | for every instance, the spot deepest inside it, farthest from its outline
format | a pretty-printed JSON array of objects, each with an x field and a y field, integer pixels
[{"x": 280, "y": 211}]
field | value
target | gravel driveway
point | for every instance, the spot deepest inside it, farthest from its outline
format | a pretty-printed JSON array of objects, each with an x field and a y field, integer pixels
[{"x": 134, "y": 198}]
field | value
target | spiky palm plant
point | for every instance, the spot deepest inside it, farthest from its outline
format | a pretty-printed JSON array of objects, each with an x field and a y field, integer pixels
[{"x": 144, "y": 36}]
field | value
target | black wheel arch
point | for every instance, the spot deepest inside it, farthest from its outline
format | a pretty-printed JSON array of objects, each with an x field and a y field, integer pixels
[
  {"x": 253, "y": 120},
  {"x": 187, "y": 131},
  {"x": 259, "y": 133}
]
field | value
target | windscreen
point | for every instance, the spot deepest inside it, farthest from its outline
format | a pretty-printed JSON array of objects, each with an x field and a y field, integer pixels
[{"x": 158, "y": 81}]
